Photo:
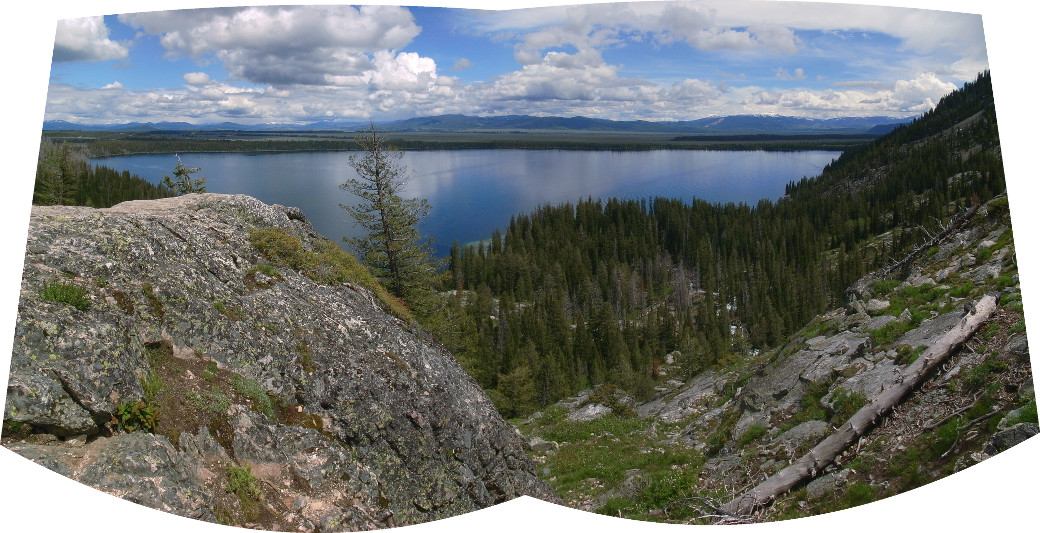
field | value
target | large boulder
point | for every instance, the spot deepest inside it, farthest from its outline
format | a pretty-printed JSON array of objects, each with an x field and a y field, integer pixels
[{"x": 168, "y": 316}]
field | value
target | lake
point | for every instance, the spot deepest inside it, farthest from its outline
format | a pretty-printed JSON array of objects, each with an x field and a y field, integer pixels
[{"x": 472, "y": 192}]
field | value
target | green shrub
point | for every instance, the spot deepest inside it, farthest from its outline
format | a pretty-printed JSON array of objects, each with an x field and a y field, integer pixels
[
  {"x": 243, "y": 484},
  {"x": 980, "y": 375},
  {"x": 885, "y": 286},
  {"x": 327, "y": 264},
  {"x": 210, "y": 372},
  {"x": 943, "y": 438},
  {"x": 137, "y": 416},
  {"x": 962, "y": 290},
  {"x": 66, "y": 293},
  {"x": 752, "y": 434},
  {"x": 845, "y": 405}
]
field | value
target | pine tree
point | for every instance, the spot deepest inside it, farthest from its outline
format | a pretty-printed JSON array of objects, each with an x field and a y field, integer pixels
[
  {"x": 182, "y": 182},
  {"x": 59, "y": 173},
  {"x": 392, "y": 247}
]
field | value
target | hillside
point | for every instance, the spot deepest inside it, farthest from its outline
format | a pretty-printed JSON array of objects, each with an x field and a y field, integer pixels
[
  {"x": 744, "y": 337},
  {"x": 213, "y": 357},
  {"x": 701, "y": 442}
]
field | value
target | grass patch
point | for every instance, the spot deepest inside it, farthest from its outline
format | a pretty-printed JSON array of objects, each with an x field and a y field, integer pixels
[
  {"x": 962, "y": 290},
  {"x": 1026, "y": 414},
  {"x": 906, "y": 355},
  {"x": 597, "y": 455},
  {"x": 979, "y": 376},
  {"x": 812, "y": 408},
  {"x": 857, "y": 494},
  {"x": 890, "y": 332},
  {"x": 213, "y": 401},
  {"x": 326, "y": 264},
  {"x": 252, "y": 390},
  {"x": 66, "y": 293}
]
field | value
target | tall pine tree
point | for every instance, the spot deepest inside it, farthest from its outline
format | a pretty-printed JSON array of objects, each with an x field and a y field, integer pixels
[{"x": 392, "y": 246}]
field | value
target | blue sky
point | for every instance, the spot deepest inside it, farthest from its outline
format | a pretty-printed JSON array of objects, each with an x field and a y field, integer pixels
[{"x": 642, "y": 60}]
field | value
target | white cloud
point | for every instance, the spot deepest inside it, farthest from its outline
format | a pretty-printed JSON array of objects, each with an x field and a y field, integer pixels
[
  {"x": 113, "y": 85},
  {"x": 783, "y": 74},
  {"x": 599, "y": 25},
  {"x": 290, "y": 45},
  {"x": 920, "y": 30},
  {"x": 330, "y": 61},
  {"x": 902, "y": 98},
  {"x": 196, "y": 78},
  {"x": 86, "y": 39}
]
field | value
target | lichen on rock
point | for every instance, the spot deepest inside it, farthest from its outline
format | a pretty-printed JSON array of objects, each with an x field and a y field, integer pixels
[{"x": 344, "y": 411}]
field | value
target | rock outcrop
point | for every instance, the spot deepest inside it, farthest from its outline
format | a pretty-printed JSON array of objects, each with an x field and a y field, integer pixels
[{"x": 213, "y": 357}]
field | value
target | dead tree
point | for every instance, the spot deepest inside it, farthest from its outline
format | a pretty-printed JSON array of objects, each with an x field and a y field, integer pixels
[{"x": 912, "y": 377}]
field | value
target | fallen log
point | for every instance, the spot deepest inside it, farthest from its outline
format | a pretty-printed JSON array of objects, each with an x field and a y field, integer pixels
[{"x": 811, "y": 464}]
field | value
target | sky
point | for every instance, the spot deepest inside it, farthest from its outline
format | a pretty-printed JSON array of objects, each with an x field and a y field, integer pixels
[
  {"x": 661, "y": 61},
  {"x": 999, "y": 494}
]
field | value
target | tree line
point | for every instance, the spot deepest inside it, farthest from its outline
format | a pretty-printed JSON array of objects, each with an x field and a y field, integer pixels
[{"x": 65, "y": 177}]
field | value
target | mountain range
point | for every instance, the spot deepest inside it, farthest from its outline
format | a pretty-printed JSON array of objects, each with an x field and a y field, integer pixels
[{"x": 735, "y": 124}]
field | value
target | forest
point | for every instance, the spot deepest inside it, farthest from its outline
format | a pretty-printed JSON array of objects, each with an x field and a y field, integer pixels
[
  {"x": 104, "y": 144},
  {"x": 601, "y": 292},
  {"x": 64, "y": 177}
]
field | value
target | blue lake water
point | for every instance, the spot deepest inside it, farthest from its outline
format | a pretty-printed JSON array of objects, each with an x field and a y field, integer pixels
[{"x": 472, "y": 192}]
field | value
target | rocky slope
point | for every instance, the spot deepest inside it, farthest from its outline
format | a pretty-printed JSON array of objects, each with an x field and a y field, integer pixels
[
  {"x": 704, "y": 441},
  {"x": 213, "y": 357}
]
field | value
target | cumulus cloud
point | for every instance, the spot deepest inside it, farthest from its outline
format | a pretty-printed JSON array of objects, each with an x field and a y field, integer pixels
[
  {"x": 300, "y": 64},
  {"x": 86, "y": 39},
  {"x": 289, "y": 45},
  {"x": 901, "y": 98},
  {"x": 196, "y": 78},
  {"x": 601, "y": 25}
]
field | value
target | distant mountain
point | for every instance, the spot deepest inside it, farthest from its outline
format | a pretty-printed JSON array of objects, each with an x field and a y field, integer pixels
[
  {"x": 728, "y": 125},
  {"x": 737, "y": 124}
]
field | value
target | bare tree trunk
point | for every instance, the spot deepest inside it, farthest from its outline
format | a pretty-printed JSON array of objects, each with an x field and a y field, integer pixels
[{"x": 812, "y": 463}]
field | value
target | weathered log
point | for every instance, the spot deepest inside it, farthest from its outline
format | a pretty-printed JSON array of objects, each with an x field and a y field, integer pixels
[{"x": 812, "y": 463}]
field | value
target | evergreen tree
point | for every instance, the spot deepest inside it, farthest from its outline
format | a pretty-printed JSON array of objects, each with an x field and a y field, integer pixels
[
  {"x": 59, "y": 173},
  {"x": 392, "y": 247},
  {"x": 182, "y": 181}
]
